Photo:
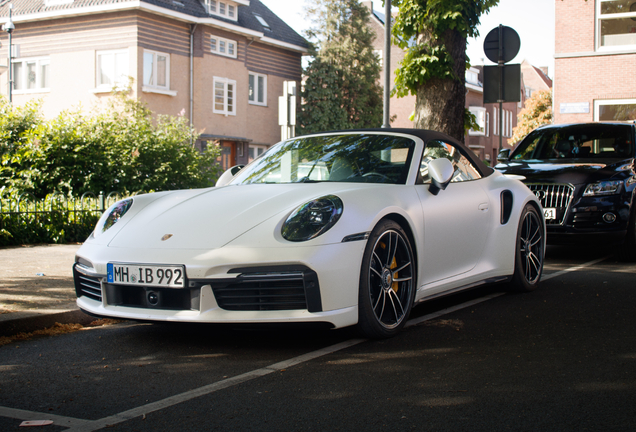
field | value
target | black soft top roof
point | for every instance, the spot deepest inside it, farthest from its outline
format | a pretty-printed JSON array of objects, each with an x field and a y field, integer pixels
[{"x": 430, "y": 135}]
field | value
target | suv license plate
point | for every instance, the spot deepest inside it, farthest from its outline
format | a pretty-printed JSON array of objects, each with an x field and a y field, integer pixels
[
  {"x": 549, "y": 213},
  {"x": 166, "y": 276}
]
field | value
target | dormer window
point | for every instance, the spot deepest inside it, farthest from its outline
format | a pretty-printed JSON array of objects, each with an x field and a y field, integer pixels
[
  {"x": 262, "y": 21},
  {"x": 225, "y": 9}
]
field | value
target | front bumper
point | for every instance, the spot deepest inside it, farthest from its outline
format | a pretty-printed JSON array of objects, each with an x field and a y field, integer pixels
[
  {"x": 591, "y": 219},
  {"x": 278, "y": 285}
]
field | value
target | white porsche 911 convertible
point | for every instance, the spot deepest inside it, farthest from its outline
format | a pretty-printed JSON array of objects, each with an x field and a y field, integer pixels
[{"x": 343, "y": 228}]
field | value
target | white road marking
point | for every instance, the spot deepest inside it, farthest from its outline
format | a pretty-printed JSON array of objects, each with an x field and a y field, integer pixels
[
  {"x": 572, "y": 269},
  {"x": 80, "y": 425}
]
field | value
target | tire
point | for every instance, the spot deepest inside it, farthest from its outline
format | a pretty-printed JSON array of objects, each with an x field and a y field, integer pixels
[
  {"x": 529, "y": 251},
  {"x": 627, "y": 251},
  {"x": 387, "y": 282}
]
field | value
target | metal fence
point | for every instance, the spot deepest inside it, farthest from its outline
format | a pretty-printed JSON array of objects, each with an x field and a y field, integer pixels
[{"x": 57, "y": 218}]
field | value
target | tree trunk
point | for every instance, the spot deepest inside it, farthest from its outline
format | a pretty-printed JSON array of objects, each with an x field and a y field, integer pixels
[{"x": 440, "y": 103}]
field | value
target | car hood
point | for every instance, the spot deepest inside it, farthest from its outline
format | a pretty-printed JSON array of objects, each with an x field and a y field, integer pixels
[
  {"x": 573, "y": 172},
  {"x": 210, "y": 218}
]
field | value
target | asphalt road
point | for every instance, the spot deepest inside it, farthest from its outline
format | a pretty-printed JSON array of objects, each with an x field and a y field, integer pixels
[{"x": 560, "y": 358}]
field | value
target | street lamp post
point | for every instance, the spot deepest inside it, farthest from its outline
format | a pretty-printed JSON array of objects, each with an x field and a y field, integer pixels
[
  {"x": 386, "y": 59},
  {"x": 9, "y": 27}
]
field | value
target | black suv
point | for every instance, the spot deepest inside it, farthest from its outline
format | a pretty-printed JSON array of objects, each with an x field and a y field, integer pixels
[{"x": 584, "y": 175}]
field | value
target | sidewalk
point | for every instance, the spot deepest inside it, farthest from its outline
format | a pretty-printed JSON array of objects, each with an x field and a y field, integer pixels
[{"x": 36, "y": 288}]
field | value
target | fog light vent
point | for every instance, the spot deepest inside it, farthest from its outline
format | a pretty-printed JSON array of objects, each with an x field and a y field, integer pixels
[{"x": 609, "y": 218}]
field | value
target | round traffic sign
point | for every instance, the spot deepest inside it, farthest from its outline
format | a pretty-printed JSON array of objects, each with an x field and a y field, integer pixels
[{"x": 510, "y": 44}]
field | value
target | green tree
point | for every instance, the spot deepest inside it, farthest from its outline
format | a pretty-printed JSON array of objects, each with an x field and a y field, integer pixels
[
  {"x": 433, "y": 33},
  {"x": 341, "y": 90},
  {"x": 16, "y": 125},
  {"x": 537, "y": 111}
]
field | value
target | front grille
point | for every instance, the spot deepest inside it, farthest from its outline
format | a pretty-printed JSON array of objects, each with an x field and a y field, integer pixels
[
  {"x": 281, "y": 292},
  {"x": 182, "y": 299},
  {"x": 588, "y": 219},
  {"x": 557, "y": 196},
  {"x": 87, "y": 283}
]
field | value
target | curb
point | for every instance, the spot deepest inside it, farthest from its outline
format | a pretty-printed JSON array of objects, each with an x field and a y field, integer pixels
[{"x": 11, "y": 327}]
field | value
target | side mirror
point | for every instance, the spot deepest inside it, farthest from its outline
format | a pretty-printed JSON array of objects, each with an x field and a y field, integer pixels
[
  {"x": 504, "y": 155},
  {"x": 441, "y": 172},
  {"x": 227, "y": 176}
]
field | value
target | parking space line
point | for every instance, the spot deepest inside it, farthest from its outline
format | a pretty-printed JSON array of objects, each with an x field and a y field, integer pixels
[
  {"x": 80, "y": 425},
  {"x": 572, "y": 269}
]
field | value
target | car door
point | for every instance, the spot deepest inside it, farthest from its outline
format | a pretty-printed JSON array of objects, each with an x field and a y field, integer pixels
[{"x": 456, "y": 220}]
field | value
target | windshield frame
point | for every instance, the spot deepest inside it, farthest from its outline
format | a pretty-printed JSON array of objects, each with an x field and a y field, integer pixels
[{"x": 388, "y": 160}]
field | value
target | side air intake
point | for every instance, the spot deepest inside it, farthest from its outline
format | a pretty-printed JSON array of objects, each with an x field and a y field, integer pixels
[{"x": 506, "y": 206}]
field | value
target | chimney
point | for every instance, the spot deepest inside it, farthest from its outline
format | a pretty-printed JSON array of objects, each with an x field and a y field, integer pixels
[{"x": 368, "y": 5}]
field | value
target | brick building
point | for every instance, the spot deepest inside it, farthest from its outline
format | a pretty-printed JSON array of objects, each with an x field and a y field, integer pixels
[
  {"x": 595, "y": 60},
  {"x": 221, "y": 63}
]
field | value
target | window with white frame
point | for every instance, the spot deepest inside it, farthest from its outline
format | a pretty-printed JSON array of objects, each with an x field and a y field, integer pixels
[
  {"x": 487, "y": 124},
  {"x": 224, "y": 96},
  {"x": 257, "y": 89},
  {"x": 615, "y": 110},
  {"x": 616, "y": 24},
  {"x": 112, "y": 69},
  {"x": 256, "y": 151},
  {"x": 31, "y": 75},
  {"x": 480, "y": 116},
  {"x": 509, "y": 124},
  {"x": 224, "y": 47},
  {"x": 225, "y": 9},
  {"x": 505, "y": 122},
  {"x": 156, "y": 70},
  {"x": 495, "y": 121}
]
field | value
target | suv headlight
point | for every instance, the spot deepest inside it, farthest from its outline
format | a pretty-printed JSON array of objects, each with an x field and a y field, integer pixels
[
  {"x": 112, "y": 215},
  {"x": 312, "y": 219},
  {"x": 608, "y": 187}
]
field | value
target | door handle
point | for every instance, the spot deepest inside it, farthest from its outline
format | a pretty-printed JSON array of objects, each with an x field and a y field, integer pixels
[{"x": 483, "y": 207}]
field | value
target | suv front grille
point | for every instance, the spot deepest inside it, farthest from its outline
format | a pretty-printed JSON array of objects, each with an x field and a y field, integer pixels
[{"x": 556, "y": 196}]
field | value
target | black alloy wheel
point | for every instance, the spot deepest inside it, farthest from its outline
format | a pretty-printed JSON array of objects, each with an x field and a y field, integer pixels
[
  {"x": 387, "y": 281},
  {"x": 530, "y": 251}
]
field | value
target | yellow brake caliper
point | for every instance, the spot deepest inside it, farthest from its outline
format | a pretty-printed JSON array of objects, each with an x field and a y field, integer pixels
[
  {"x": 394, "y": 286},
  {"x": 395, "y": 276}
]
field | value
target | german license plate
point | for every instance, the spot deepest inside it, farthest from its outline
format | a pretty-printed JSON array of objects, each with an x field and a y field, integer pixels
[
  {"x": 166, "y": 276},
  {"x": 549, "y": 213}
]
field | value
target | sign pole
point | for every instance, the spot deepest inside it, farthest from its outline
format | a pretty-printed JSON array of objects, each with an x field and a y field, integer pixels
[{"x": 500, "y": 64}]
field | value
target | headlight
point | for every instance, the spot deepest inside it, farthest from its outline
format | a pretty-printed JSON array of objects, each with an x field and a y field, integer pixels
[
  {"x": 609, "y": 187},
  {"x": 312, "y": 219},
  {"x": 112, "y": 215}
]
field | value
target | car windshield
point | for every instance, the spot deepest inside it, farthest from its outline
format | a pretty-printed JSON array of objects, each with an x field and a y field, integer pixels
[
  {"x": 577, "y": 142},
  {"x": 364, "y": 158}
]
